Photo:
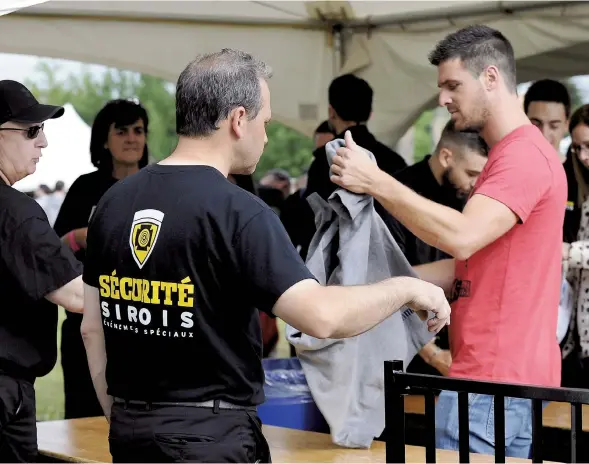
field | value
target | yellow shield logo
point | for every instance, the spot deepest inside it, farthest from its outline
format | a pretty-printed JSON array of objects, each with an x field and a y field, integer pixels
[{"x": 144, "y": 233}]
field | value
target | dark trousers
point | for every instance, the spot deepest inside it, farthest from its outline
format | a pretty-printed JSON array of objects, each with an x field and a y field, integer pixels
[
  {"x": 18, "y": 424},
  {"x": 80, "y": 396},
  {"x": 154, "y": 433}
]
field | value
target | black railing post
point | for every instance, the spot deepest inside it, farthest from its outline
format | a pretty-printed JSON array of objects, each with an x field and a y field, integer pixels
[
  {"x": 430, "y": 427},
  {"x": 536, "y": 430},
  {"x": 463, "y": 427},
  {"x": 576, "y": 430},
  {"x": 499, "y": 412},
  {"x": 394, "y": 412}
]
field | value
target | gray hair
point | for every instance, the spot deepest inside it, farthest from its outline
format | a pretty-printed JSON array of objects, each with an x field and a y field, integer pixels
[{"x": 212, "y": 85}]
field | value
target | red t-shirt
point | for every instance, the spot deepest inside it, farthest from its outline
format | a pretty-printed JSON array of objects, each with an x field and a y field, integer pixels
[{"x": 503, "y": 327}]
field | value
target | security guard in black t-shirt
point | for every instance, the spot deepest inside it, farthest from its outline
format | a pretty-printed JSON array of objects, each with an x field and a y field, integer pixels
[
  {"x": 179, "y": 261},
  {"x": 37, "y": 273}
]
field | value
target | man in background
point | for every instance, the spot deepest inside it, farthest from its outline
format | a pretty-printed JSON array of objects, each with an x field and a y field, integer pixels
[
  {"x": 547, "y": 104},
  {"x": 323, "y": 134}
]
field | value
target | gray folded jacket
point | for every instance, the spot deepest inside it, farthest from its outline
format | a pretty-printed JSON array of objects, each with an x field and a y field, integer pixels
[{"x": 353, "y": 246}]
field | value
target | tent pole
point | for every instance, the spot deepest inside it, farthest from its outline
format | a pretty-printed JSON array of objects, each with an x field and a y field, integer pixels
[{"x": 339, "y": 48}]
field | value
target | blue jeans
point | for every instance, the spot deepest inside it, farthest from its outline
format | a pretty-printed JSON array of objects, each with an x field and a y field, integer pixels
[{"x": 481, "y": 415}]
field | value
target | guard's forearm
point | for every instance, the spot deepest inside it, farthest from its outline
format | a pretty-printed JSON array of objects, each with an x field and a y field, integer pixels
[{"x": 357, "y": 310}]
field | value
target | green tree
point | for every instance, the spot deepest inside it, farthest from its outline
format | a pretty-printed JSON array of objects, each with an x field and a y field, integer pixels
[
  {"x": 423, "y": 135},
  {"x": 88, "y": 93},
  {"x": 286, "y": 149}
]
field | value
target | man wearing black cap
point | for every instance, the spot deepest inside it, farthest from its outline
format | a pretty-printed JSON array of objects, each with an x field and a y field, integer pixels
[{"x": 37, "y": 273}]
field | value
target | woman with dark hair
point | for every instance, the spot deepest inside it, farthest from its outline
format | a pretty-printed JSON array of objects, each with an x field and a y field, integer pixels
[
  {"x": 118, "y": 149},
  {"x": 575, "y": 349}
]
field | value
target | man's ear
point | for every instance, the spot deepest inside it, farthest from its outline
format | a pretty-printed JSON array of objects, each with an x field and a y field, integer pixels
[
  {"x": 446, "y": 157},
  {"x": 491, "y": 77},
  {"x": 237, "y": 119}
]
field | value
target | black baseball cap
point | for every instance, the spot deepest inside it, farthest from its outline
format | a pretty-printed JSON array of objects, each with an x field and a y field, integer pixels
[{"x": 18, "y": 104}]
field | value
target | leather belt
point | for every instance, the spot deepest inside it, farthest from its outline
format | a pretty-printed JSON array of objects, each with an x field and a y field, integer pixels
[{"x": 199, "y": 404}]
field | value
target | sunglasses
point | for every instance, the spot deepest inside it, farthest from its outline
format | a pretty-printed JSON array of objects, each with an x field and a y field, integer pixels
[{"x": 31, "y": 133}]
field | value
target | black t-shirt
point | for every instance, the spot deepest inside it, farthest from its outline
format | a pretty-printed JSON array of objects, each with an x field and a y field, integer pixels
[
  {"x": 182, "y": 258},
  {"x": 33, "y": 263},
  {"x": 293, "y": 209}
]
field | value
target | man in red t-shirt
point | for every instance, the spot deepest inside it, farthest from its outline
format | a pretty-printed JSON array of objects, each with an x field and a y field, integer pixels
[{"x": 505, "y": 278}]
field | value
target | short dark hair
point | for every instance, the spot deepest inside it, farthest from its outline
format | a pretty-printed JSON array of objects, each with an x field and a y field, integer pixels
[
  {"x": 478, "y": 47},
  {"x": 351, "y": 98},
  {"x": 121, "y": 113},
  {"x": 324, "y": 128},
  {"x": 453, "y": 139},
  {"x": 548, "y": 90},
  {"x": 212, "y": 85},
  {"x": 59, "y": 186}
]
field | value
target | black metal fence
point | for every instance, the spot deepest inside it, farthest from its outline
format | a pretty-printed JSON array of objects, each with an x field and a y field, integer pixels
[{"x": 398, "y": 384}]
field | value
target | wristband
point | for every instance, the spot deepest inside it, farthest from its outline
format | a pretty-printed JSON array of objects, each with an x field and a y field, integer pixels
[{"x": 71, "y": 238}]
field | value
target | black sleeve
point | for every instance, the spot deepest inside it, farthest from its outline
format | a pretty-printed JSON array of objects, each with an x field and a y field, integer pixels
[
  {"x": 71, "y": 214},
  {"x": 91, "y": 271},
  {"x": 37, "y": 259},
  {"x": 290, "y": 216},
  {"x": 318, "y": 180},
  {"x": 268, "y": 260}
]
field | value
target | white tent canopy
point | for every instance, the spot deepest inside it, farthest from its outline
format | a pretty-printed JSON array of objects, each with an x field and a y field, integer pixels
[
  {"x": 306, "y": 43},
  {"x": 67, "y": 155},
  {"x": 8, "y": 6}
]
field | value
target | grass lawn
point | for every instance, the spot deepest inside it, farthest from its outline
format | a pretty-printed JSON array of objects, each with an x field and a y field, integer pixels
[{"x": 49, "y": 389}]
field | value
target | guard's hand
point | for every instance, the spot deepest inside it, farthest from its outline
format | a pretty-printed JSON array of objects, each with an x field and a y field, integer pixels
[
  {"x": 352, "y": 169},
  {"x": 428, "y": 297}
]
